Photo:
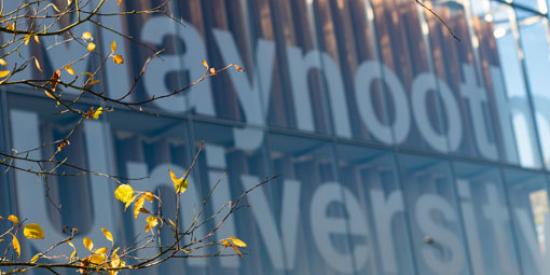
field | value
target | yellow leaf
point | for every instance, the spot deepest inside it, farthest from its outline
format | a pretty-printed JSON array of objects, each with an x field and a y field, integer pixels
[
  {"x": 91, "y": 47},
  {"x": 74, "y": 253},
  {"x": 3, "y": 62},
  {"x": 87, "y": 36},
  {"x": 37, "y": 64},
  {"x": 118, "y": 59},
  {"x": 4, "y": 73},
  {"x": 128, "y": 203},
  {"x": 69, "y": 68},
  {"x": 16, "y": 245},
  {"x": 237, "y": 242},
  {"x": 138, "y": 205},
  {"x": 115, "y": 259},
  {"x": 88, "y": 243},
  {"x": 36, "y": 39},
  {"x": 69, "y": 2},
  {"x": 108, "y": 235},
  {"x": 205, "y": 64},
  {"x": 152, "y": 222},
  {"x": 33, "y": 231},
  {"x": 124, "y": 193},
  {"x": 113, "y": 46},
  {"x": 180, "y": 184},
  {"x": 116, "y": 262},
  {"x": 97, "y": 113},
  {"x": 150, "y": 197},
  {"x": 49, "y": 94},
  {"x": 97, "y": 259},
  {"x": 13, "y": 218},
  {"x": 102, "y": 250},
  {"x": 119, "y": 2},
  {"x": 27, "y": 39},
  {"x": 11, "y": 26},
  {"x": 35, "y": 258}
]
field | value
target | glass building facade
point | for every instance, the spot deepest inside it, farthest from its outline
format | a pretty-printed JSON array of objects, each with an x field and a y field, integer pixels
[{"x": 398, "y": 149}]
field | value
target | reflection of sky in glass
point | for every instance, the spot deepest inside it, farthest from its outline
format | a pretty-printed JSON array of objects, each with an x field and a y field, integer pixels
[
  {"x": 534, "y": 41},
  {"x": 538, "y": 5},
  {"x": 510, "y": 66}
]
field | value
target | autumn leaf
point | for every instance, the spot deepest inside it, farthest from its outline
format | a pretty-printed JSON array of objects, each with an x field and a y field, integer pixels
[
  {"x": 69, "y": 68},
  {"x": 55, "y": 79},
  {"x": 11, "y": 26},
  {"x": 4, "y": 73},
  {"x": 16, "y": 245},
  {"x": 180, "y": 184},
  {"x": 108, "y": 235},
  {"x": 88, "y": 243},
  {"x": 73, "y": 255},
  {"x": 116, "y": 262},
  {"x": 238, "y": 68},
  {"x": 113, "y": 46},
  {"x": 91, "y": 47},
  {"x": 124, "y": 193},
  {"x": 97, "y": 258},
  {"x": 138, "y": 205},
  {"x": 205, "y": 64},
  {"x": 102, "y": 250},
  {"x": 238, "y": 242},
  {"x": 14, "y": 219},
  {"x": 27, "y": 39},
  {"x": 33, "y": 231},
  {"x": 151, "y": 222},
  {"x": 3, "y": 62},
  {"x": 150, "y": 197},
  {"x": 87, "y": 36},
  {"x": 118, "y": 59},
  {"x": 97, "y": 113},
  {"x": 64, "y": 143},
  {"x": 235, "y": 243},
  {"x": 35, "y": 258},
  {"x": 37, "y": 64}
]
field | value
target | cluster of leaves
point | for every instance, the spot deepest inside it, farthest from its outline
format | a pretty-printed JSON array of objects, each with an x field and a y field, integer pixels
[
  {"x": 25, "y": 27},
  {"x": 114, "y": 258}
]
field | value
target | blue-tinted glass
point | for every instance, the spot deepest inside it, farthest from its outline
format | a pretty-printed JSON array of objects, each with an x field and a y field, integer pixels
[
  {"x": 328, "y": 213},
  {"x": 227, "y": 169},
  {"x": 518, "y": 113},
  {"x": 534, "y": 39},
  {"x": 487, "y": 220},
  {"x": 54, "y": 202},
  {"x": 373, "y": 178},
  {"x": 437, "y": 231},
  {"x": 528, "y": 196}
]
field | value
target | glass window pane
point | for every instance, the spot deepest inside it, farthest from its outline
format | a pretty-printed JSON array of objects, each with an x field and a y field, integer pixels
[
  {"x": 372, "y": 176},
  {"x": 528, "y": 195},
  {"x": 534, "y": 38},
  {"x": 329, "y": 214},
  {"x": 228, "y": 169},
  {"x": 511, "y": 70},
  {"x": 437, "y": 232},
  {"x": 487, "y": 220}
]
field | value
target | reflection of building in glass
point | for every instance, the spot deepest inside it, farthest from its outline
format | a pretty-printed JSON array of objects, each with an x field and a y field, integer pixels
[
  {"x": 539, "y": 204},
  {"x": 385, "y": 131}
]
